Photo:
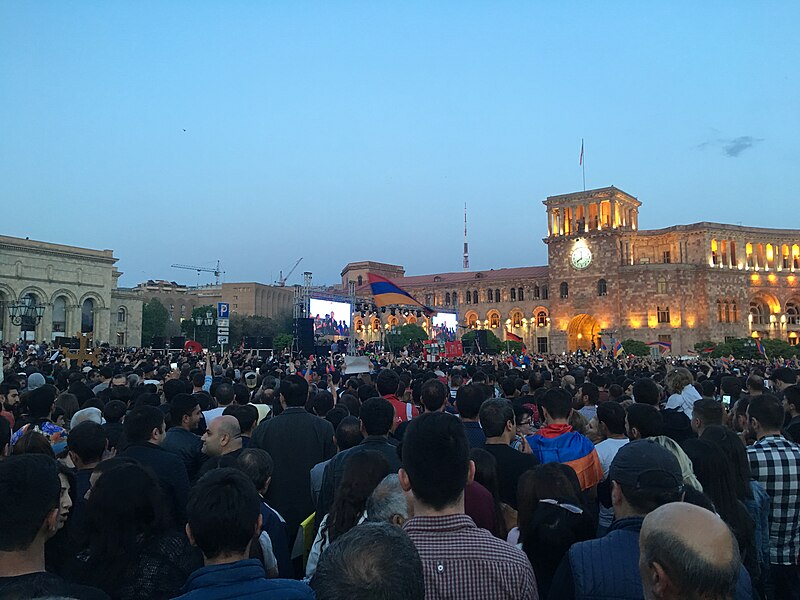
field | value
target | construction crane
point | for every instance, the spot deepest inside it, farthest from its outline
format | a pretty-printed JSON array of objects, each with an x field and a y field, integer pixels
[
  {"x": 281, "y": 279},
  {"x": 216, "y": 271}
]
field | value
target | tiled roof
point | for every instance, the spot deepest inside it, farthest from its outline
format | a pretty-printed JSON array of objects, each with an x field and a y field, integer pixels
[{"x": 458, "y": 277}]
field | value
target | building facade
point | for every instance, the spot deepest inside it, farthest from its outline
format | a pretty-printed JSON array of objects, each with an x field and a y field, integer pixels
[
  {"x": 606, "y": 278},
  {"x": 75, "y": 289}
]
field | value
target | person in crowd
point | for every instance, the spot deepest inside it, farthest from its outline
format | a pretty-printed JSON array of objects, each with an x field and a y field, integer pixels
[
  {"x": 552, "y": 517},
  {"x": 781, "y": 378},
  {"x": 388, "y": 382},
  {"x": 40, "y": 403},
  {"x": 185, "y": 415},
  {"x": 144, "y": 433},
  {"x": 372, "y": 560},
  {"x": 134, "y": 550},
  {"x": 791, "y": 404},
  {"x": 247, "y": 415},
  {"x": 469, "y": 399},
  {"x": 706, "y": 412},
  {"x": 223, "y": 437},
  {"x": 611, "y": 420},
  {"x": 687, "y": 552},
  {"x": 258, "y": 466},
  {"x": 523, "y": 417},
  {"x": 69, "y": 404},
  {"x": 775, "y": 463},
  {"x": 113, "y": 414},
  {"x": 224, "y": 395},
  {"x": 643, "y": 421},
  {"x": 588, "y": 396},
  {"x": 223, "y": 519},
  {"x": 497, "y": 421},
  {"x": 348, "y": 434},
  {"x": 388, "y": 503},
  {"x": 690, "y": 481},
  {"x": 754, "y": 386},
  {"x": 296, "y": 440},
  {"x": 9, "y": 401},
  {"x": 5, "y": 438},
  {"x": 683, "y": 394},
  {"x": 35, "y": 503},
  {"x": 87, "y": 444},
  {"x": 458, "y": 559},
  {"x": 557, "y": 442},
  {"x": 434, "y": 397},
  {"x": 503, "y": 516},
  {"x": 377, "y": 419},
  {"x": 363, "y": 471}
]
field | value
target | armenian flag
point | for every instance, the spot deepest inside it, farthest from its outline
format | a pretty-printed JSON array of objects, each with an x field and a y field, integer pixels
[
  {"x": 618, "y": 349},
  {"x": 386, "y": 293},
  {"x": 603, "y": 346},
  {"x": 760, "y": 348},
  {"x": 512, "y": 337},
  {"x": 662, "y": 346}
]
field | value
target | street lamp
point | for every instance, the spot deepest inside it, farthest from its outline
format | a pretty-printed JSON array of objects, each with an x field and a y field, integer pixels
[
  {"x": 26, "y": 309},
  {"x": 199, "y": 320}
]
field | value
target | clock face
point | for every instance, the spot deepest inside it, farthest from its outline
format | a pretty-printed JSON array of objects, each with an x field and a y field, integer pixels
[{"x": 581, "y": 257}]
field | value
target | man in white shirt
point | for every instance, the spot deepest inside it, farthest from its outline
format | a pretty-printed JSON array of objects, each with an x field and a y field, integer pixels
[{"x": 611, "y": 418}]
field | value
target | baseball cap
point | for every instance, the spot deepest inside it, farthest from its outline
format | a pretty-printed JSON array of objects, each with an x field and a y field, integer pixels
[{"x": 644, "y": 464}]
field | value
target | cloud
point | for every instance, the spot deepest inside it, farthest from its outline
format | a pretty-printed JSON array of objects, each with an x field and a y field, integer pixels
[{"x": 731, "y": 147}]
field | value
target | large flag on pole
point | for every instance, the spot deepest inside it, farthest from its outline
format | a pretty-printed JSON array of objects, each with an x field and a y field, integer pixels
[
  {"x": 512, "y": 337},
  {"x": 386, "y": 293},
  {"x": 760, "y": 347},
  {"x": 580, "y": 162}
]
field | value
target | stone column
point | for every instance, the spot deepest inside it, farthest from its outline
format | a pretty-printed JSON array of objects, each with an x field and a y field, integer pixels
[{"x": 102, "y": 325}]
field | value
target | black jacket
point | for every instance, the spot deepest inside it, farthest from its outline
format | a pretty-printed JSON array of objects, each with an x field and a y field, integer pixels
[
  {"x": 296, "y": 440},
  {"x": 170, "y": 472},
  {"x": 188, "y": 447}
]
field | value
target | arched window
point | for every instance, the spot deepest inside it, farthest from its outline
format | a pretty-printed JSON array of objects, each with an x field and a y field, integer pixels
[
  {"x": 661, "y": 285},
  {"x": 734, "y": 311},
  {"x": 564, "y": 289},
  {"x": 602, "y": 288},
  {"x": 758, "y": 314},
  {"x": 719, "y": 311},
  {"x": 447, "y": 298},
  {"x": 516, "y": 319},
  {"x": 360, "y": 280},
  {"x": 545, "y": 292},
  {"x": 497, "y": 295},
  {"x": 726, "y": 307},
  {"x": 535, "y": 291},
  {"x": 121, "y": 314},
  {"x": 455, "y": 297},
  {"x": 714, "y": 253},
  {"x": 376, "y": 324},
  {"x": 541, "y": 318},
  {"x": 513, "y": 294},
  {"x": 494, "y": 320},
  {"x": 472, "y": 320},
  {"x": 87, "y": 316},
  {"x": 359, "y": 325},
  {"x": 60, "y": 315},
  {"x": 520, "y": 294},
  {"x": 468, "y": 297},
  {"x": 792, "y": 313},
  {"x": 489, "y": 295},
  {"x": 474, "y": 296}
]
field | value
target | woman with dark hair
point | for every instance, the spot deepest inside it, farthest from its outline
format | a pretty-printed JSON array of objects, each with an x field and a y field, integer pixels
[
  {"x": 131, "y": 553},
  {"x": 714, "y": 472},
  {"x": 552, "y": 517},
  {"x": 60, "y": 548},
  {"x": 363, "y": 472},
  {"x": 486, "y": 475}
]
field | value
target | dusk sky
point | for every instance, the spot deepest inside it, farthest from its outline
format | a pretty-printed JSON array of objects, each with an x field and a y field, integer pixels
[{"x": 259, "y": 132}]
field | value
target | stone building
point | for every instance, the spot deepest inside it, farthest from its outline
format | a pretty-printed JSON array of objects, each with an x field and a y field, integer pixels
[
  {"x": 607, "y": 278},
  {"x": 74, "y": 289}
]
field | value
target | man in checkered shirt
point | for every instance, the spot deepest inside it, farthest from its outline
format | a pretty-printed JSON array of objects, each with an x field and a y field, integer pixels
[{"x": 775, "y": 463}]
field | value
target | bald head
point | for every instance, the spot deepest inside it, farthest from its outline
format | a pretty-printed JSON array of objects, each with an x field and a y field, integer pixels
[
  {"x": 223, "y": 436},
  {"x": 688, "y": 552}
]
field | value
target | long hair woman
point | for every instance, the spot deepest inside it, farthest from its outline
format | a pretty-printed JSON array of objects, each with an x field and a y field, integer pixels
[
  {"x": 363, "y": 472},
  {"x": 132, "y": 554}
]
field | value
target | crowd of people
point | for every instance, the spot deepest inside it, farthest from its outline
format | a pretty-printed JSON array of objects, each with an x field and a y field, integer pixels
[{"x": 143, "y": 475}]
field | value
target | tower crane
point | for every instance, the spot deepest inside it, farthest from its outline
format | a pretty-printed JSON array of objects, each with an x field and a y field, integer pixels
[
  {"x": 281, "y": 279},
  {"x": 216, "y": 271}
]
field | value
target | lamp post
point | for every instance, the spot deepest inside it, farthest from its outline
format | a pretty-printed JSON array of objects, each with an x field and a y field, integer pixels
[
  {"x": 199, "y": 320},
  {"x": 26, "y": 310}
]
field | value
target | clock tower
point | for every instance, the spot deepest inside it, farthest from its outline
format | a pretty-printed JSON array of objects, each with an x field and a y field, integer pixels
[{"x": 589, "y": 237}]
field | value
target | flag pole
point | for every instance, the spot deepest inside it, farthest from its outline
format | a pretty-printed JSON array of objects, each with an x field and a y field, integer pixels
[{"x": 583, "y": 167}]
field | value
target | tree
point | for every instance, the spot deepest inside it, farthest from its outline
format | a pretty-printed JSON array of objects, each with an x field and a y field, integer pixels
[
  {"x": 405, "y": 335},
  {"x": 494, "y": 343},
  {"x": 154, "y": 320},
  {"x": 636, "y": 348},
  {"x": 205, "y": 334},
  {"x": 282, "y": 341}
]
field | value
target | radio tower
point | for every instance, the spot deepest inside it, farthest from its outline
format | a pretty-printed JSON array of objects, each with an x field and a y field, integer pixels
[{"x": 466, "y": 246}]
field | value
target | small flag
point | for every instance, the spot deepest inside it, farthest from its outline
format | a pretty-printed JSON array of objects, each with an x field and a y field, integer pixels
[
  {"x": 618, "y": 349},
  {"x": 603, "y": 346},
  {"x": 514, "y": 361},
  {"x": 580, "y": 162},
  {"x": 512, "y": 337},
  {"x": 727, "y": 360},
  {"x": 760, "y": 348}
]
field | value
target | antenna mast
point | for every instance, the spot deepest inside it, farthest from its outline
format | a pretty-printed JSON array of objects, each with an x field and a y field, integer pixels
[{"x": 466, "y": 246}]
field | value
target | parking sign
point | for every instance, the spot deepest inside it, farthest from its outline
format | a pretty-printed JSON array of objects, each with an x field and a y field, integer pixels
[{"x": 223, "y": 310}]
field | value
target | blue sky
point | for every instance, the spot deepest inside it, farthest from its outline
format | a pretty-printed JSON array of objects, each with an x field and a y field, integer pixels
[{"x": 342, "y": 131}]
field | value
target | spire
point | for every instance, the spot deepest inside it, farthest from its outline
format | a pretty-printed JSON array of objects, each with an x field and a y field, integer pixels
[{"x": 466, "y": 246}]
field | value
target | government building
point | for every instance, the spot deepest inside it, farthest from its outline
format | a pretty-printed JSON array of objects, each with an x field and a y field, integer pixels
[
  {"x": 606, "y": 278},
  {"x": 51, "y": 290}
]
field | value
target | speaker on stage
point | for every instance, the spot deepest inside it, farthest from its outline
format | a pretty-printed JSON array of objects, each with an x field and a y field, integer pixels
[
  {"x": 176, "y": 342},
  {"x": 71, "y": 343},
  {"x": 304, "y": 335},
  {"x": 264, "y": 342},
  {"x": 482, "y": 341},
  {"x": 157, "y": 342},
  {"x": 250, "y": 342}
]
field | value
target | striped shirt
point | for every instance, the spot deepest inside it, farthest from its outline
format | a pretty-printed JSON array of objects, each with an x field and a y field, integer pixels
[
  {"x": 775, "y": 464},
  {"x": 462, "y": 562}
]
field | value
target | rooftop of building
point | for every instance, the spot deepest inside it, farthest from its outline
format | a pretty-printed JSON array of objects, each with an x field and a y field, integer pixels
[
  {"x": 711, "y": 226},
  {"x": 39, "y": 246}
]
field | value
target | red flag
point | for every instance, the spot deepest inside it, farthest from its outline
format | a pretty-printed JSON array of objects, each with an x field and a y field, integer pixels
[
  {"x": 512, "y": 337},
  {"x": 580, "y": 162}
]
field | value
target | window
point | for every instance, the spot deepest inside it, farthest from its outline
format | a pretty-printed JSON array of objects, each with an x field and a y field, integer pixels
[
  {"x": 758, "y": 315},
  {"x": 437, "y": 279},
  {"x": 121, "y": 315},
  {"x": 661, "y": 286},
  {"x": 468, "y": 298},
  {"x": 120, "y": 338},
  {"x": 360, "y": 280},
  {"x": 474, "y": 296},
  {"x": 564, "y": 289},
  {"x": 663, "y": 314},
  {"x": 513, "y": 294},
  {"x": 447, "y": 298},
  {"x": 455, "y": 298},
  {"x": 541, "y": 345},
  {"x": 59, "y": 315},
  {"x": 516, "y": 320},
  {"x": 602, "y": 288},
  {"x": 472, "y": 320},
  {"x": 727, "y": 311},
  {"x": 541, "y": 318},
  {"x": 489, "y": 295},
  {"x": 428, "y": 299},
  {"x": 714, "y": 253},
  {"x": 720, "y": 312},
  {"x": 494, "y": 320},
  {"x": 734, "y": 312},
  {"x": 536, "y": 291},
  {"x": 792, "y": 313},
  {"x": 665, "y": 257},
  {"x": 497, "y": 295},
  {"x": 87, "y": 316},
  {"x": 521, "y": 294},
  {"x": 545, "y": 292},
  {"x": 183, "y": 310}
]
